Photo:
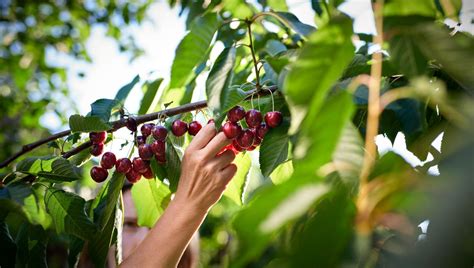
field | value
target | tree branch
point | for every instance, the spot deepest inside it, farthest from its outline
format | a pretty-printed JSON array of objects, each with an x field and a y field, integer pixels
[{"x": 120, "y": 124}]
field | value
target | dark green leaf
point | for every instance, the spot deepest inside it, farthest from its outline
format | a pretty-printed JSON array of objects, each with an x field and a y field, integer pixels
[
  {"x": 103, "y": 108},
  {"x": 107, "y": 201},
  {"x": 75, "y": 248},
  {"x": 316, "y": 5},
  {"x": 291, "y": 21},
  {"x": 7, "y": 246},
  {"x": 31, "y": 241},
  {"x": 79, "y": 123},
  {"x": 68, "y": 214},
  {"x": 150, "y": 92},
  {"x": 192, "y": 49},
  {"x": 274, "y": 148},
  {"x": 219, "y": 79},
  {"x": 55, "y": 169},
  {"x": 407, "y": 56}
]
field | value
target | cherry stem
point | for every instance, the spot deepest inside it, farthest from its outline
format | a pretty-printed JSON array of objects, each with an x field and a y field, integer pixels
[
  {"x": 273, "y": 102},
  {"x": 116, "y": 126}
]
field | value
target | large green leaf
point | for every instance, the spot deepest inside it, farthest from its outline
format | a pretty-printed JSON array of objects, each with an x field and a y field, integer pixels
[
  {"x": 106, "y": 202},
  {"x": 150, "y": 197},
  {"x": 123, "y": 92},
  {"x": 192, "y": 49},
  {"x": 7, "y": 246},
  {"x": 170, "y": 171},
  {"x": 68, "y": 214},
  {"x": 291, "y": 21},
  {"x": 31, "y": 241},
  {"x": 274, "y": 148},
  {"x": 314, "y": 72},
  {"x": 150, "y": 89},
  {"x": 407, "y": 56},
  {"x": 320, "y": 134},
  {"x": 79, "y": 123},
  {"x": 103, "y": 108},
  {"x": 219, "y": 79},
  {"x": 271, "y": 210},
  {"x": 54, "y": 169},
  {"x": 236, "y": 188},
  {"x": 425, "y": 8}
]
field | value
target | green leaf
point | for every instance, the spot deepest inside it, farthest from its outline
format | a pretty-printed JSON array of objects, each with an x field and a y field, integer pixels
[
  {"x": 315, "y": 71},
  {"x": 173, "y": 165},
  {"x": 31, "y": 241},
  {"x": 8, "y": 247},
  {"x": 282, "y": 173},
  {"x": 220, "y": 78},
  {"x": 79, "y": 123},
  {"x": 320, "y": 134},
  {"x": 291, "y": 21},
  {"x": 279, "y": 5},
  {"x": 150, "y": 90},
  {"x": 68, "y": 214},
  {"x": 274, "y": 148},
  {"x": 236, "y": 188},
  {"x": 407, "y": 56},
  {"x": 123, "y": 92},
  {"x": 348, "y": 156},
  {"x": 75, "y": 248},
  {"x": 150, "y": 197},
  {"x": 109, "y": 198},
  {"x": 233, "y": 96},
  {"x": 274, "y": 47},
  {"x": 55, "y": 169},
  {"x": 425, "y": 8},
  {"x": 316, "y": 5},
  {"x": 192, "y": 49},
  {"x": 271, "y": 210},
  {"x": 103, "y": 108}
]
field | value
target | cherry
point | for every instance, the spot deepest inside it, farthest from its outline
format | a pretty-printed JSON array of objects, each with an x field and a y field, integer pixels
[
  {"x": 236, "y": 114},
  {"x": 146, "y": 129},
  {"x": 262, "y": 130},
  {"x": 99, "y": 174},
  {"x": 159, "y": 133},
  {"x": 194, "y": 127},
  {"x": 161, "y": 159},
  {"x": 179, "y": 128},
  {"x": 98, "y": 137},
  {"x": 97, "y": 149},
  {"x": 148, "y": 173},
  {"x": 231, "y": 129},
  {"x": 257, "y": 141},
  {"x": 133, "y": 176},
  {"x": 273, "y": 119},
  {"x": 145, "y": 152},
  {"x": 123, "y": 165},
  {"x": 131, "y": 124},
  {"x": 158, "y": 147},
  {"x": 139, "y": 165},
  {"x": 141, "y": 140},
  {"x": 245, "y": 139},
  {"x": 108, "y": 160},
  {"x": 236, "y": 146},
  {"x": 251, "y": 148},
  {"x": 253, "y": 118}
]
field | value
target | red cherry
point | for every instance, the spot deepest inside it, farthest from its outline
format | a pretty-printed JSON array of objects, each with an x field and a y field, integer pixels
[
  {"x": 251, "y": 148},
  {"x": 141, "y": 140},
  {"x": 133, "y": 176},
  {"x": 146, "y": 129},
  {"x": 158, "y": 147},
  {"x": 145, "y": 152},
  {"x": 262, "y": 130},
  {"x": 131, "y": 124},
  {"x": 99, "y": 174},
  {"x": 245, "y": 139},
  {"x": 98, "y": 137},
  {"x": 108, "y": 160},
  {"x": 231, "y": 129},
  {"x": 179, "y": 128},
  {"x": 236, "y": 146},
  {"x": 253, "y": 118},
  {"x": 194, "y": 127},
  {"x": 161, "y": 159},
  {"x": 273, "y": 119},
  {"x": 148, "y": 173},
  {"x": 236, "y": 114},
  {"x": 123, "y": 165},
  {"x": 257, "y": 141},
  {"x": 97, "y": 149},
  {"x": 139, "y": 165},
  {"x": 159, "y": 133}
]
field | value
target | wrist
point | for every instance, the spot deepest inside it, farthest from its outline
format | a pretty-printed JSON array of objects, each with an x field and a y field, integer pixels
[{"x": 188, "y": 205}]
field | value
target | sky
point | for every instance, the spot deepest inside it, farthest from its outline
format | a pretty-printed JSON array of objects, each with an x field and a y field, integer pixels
[{"x": 159, "y": 38}]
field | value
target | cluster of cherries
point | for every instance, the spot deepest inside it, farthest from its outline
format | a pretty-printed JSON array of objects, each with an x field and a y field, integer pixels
[
  {"x": 248, "y": 139},
  {"x": 139, "y": 166}
]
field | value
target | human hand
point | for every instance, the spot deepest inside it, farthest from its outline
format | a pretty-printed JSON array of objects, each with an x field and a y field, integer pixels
[{"x": 204, "y": 173}]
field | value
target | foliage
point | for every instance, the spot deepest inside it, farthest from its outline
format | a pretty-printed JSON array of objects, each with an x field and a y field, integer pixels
[{"x": 299, "y": 200}]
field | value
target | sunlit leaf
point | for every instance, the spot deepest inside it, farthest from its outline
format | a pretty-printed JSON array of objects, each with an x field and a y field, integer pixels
[
  {"x": 150, "y": 93},
  {"x": 123, "y": 92},
  {"x": 55, "y": 169},
  {"x": 151, "y": 197},
  {"x": 79, "y": 123},
  {"x": 274, "y": 148},
  {"x": 291, "y": 21},
  {"x": 236, "y": 188}
]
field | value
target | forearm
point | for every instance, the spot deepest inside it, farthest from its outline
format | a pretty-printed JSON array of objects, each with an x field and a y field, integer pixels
[{"x": 168, "y": 239}]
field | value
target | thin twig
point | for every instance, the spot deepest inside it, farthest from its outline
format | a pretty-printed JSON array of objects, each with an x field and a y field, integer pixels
[
  {"x": 117, "y": 125},
  {"x": 252, "y": 50}
]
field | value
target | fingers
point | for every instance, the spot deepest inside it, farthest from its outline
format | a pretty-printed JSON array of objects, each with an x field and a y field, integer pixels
[
  {"x": 203, "y": 137},
  {"x": 223, "y": 160},
  {"x": 215, "y": 145},
  {"x": 228, "y": 172}
]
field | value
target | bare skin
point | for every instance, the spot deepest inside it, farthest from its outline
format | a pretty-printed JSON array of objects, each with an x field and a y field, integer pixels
[{"x": 204, "y": 177}]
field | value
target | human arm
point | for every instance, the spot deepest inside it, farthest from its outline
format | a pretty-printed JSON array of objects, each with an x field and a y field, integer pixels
[{"x": 204, "y": 176}]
